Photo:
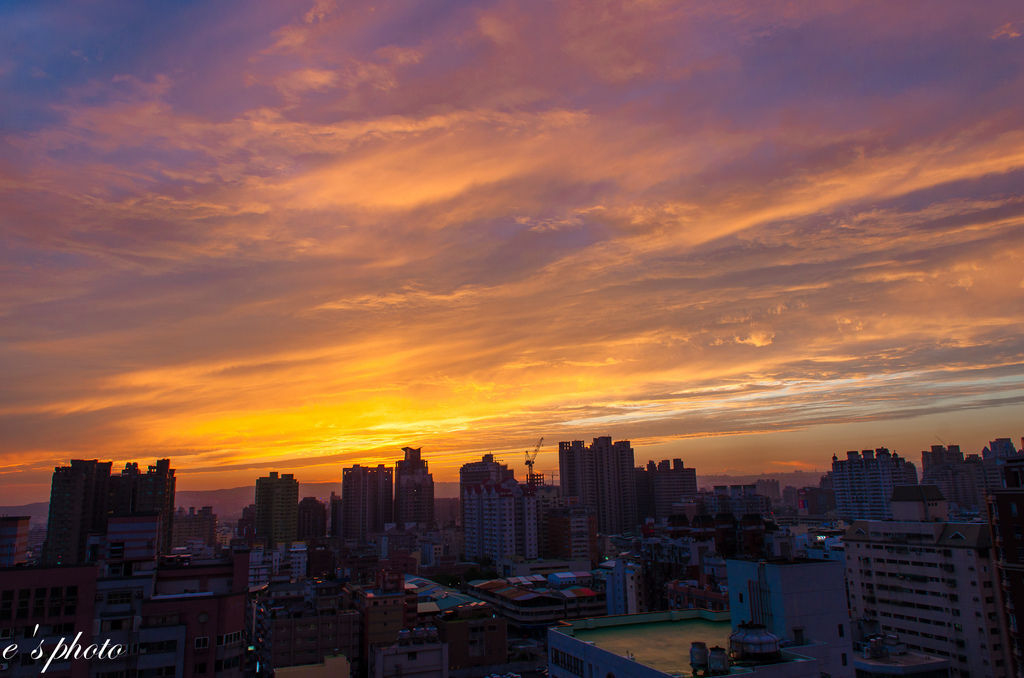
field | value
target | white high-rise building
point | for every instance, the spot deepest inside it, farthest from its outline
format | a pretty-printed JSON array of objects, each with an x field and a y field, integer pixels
[
  {"x": 500, "y": 521},
  {"x": 931, "y": 583},
  {"x": 864, "y": 481}
]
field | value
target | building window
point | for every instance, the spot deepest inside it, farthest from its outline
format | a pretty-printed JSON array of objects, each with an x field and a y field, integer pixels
[
  {"x": 202, "y": 642},
  {"x": 842, "y": 633}
]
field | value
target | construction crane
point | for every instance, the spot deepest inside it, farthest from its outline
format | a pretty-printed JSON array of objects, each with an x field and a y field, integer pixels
[{"x": 533, "y": 479}]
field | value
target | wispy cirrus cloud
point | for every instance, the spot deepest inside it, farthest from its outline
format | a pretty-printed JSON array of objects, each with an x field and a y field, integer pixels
[{"x": 306, "y": 235}]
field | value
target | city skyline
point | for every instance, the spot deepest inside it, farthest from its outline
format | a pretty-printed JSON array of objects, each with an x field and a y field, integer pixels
[{"x": 302, "y": 236}]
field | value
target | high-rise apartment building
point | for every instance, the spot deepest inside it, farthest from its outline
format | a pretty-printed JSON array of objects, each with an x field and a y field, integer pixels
[
  {"x": 1006, "y": 521},
  {"x": 478, "y": 473},
  {"x": 961, "y": 481},
  {"x": 133, "y": 492},
  {"x": 334, "y": 510},
  {"x": 863, "y": 483},
  {"x": 601, "y": 476},
  {"x": 501, "y": 521},
  {"x": 277, "y": 506},
  {"x": 78, "y": 506},
  {"x": 570, "y": 533},
  {"x": 192, "y": 526},
  {"x": 932, "y": 583},
  {"x": 769, "y": 487},
  {"x": 366, "y": 502},
  {"x": 312, "y": 519},
  {"x": 414, "y": 490},
  {"x": 661, "y": 485}
]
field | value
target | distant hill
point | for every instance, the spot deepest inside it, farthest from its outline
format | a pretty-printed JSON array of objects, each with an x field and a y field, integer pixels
[{"x": 37, "y": 512}]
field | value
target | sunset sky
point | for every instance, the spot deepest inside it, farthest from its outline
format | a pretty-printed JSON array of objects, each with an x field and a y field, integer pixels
[{"x": 297, "y": 235}]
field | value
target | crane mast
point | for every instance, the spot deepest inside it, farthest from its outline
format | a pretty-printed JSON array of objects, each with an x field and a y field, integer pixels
[{"x": 533, "y": 479}]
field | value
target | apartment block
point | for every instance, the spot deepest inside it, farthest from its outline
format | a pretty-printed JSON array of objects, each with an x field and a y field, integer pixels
[
  {"x": 864, "y": 481},
  {"x": 934, "y": 585}
]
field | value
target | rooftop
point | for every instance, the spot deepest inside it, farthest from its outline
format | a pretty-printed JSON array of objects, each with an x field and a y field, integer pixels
[{"x": 660, "y": 640}]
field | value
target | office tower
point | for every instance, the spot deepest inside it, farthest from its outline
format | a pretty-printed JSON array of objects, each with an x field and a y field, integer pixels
[
  {"x": 312, "y": 520},
  {"x": 661, "y": 485},
  {"x": 1006, "y": 512},
  {"x": 601, "y": 476},
  {"x": 190, "y": 526},
  {"x": 803, "y": 603},
  {"x": 78, "y": 506},
  {"x": 133, "y": 492},
  {"x": 500, "y": 521},
  {"x": 864, "y": 482},
  {"x": 13, "y": 540},
  {"x": 930, "y": 582},
  {"x": 479, "y": 472},
  {"x": 277, "y": 506},
  {"x": 366, "y": 502},
  {"x": 414, "y": 490}
]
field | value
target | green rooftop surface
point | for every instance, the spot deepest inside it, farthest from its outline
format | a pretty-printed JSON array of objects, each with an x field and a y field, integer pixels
[{"x": 662, "y": 645}]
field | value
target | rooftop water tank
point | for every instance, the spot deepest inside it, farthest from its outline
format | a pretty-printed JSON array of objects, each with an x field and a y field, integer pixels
[
  {"x": 753, "y": 642},
  {"x": 698, "y": 656},
  {"x": 718, "y": 662}
]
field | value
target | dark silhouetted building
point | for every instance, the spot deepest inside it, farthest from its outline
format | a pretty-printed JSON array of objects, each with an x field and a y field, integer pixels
[
  {"x": 570, "y": 533},
  {"x": 312, "y": 519},
  {"x": 78, "y": 507},
  {"x": 366, "y": 502},
  {"x": 295, "y": 624},
  {"x": 476, "y": 636},
  {"x": 1006, "y": 519},
  {"x": 134, "y": 492},
  {"x": 661, "y": 485},
  {"x": 277, "y": 507},
  {"x": 192, "y": 526},
  {"x": 414, "y": 490},
  {"x": 602, "y": 477}
]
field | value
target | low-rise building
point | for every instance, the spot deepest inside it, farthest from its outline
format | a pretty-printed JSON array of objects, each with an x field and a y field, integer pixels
[
  {"x": 475, "y": 634},
  {"x": 418, "y": 653},
  {"x": 531, "y": 605}
]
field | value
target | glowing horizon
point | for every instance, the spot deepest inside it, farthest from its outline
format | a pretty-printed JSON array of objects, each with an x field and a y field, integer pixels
[{"x": 296, "y": 236}]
